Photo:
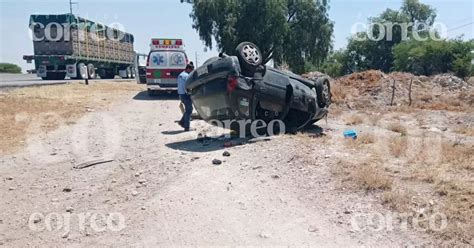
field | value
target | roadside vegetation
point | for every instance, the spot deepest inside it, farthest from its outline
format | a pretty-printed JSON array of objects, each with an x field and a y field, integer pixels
[
  {"x": 428, "y": 55},
  {"x": 9, "y": 68}
]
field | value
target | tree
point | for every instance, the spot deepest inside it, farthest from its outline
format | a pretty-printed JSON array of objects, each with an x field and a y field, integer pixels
[
  {"x": 373, "y": 49},
  {"x": 336, "y": 64},
  {"x": 9, "y": 68},
  {"x": 432, "y": 56},
  {"x": 297, "y": 32}
]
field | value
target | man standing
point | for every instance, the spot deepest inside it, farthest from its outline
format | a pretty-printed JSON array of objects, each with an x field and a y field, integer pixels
[{"x": 185, "y": 98}]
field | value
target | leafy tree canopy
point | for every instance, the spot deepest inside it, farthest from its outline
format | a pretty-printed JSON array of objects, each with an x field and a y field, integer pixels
[
  {"x": 397, "y": 25},
  {"x": 297, "y": 32}
]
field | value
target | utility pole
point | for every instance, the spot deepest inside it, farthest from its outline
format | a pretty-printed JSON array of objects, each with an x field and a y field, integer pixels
[
  {"x": 196, "y": 59},
  {"x": 70, "y": 5}
]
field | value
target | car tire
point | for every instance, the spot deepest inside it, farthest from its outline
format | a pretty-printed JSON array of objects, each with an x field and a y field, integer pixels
[
  {"x": 250, "y": 57},
  {"x": 323, "y": 92},
  {"x": 91, "y": 71}
]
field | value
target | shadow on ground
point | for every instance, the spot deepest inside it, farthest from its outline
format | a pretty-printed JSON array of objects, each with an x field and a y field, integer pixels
[
  {"x": 143, "y": 96},
  {"x": 208, "y": 144},
  {"x": 204, "y": 144}
]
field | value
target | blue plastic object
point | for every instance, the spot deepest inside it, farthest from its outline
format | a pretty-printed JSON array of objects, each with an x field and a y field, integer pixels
[{"x": 350, "y": 134}]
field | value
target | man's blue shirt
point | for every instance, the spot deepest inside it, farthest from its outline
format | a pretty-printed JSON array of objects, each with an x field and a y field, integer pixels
[{"x": 183, "y": 76}]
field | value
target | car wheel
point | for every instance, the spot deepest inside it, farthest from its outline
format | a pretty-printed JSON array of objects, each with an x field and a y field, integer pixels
[
  {"x": 323, "y": 92},
  {"x": 249, "y": 56}
]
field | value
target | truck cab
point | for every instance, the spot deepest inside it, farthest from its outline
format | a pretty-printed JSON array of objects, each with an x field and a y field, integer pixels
[{"x": 166, "y": 60}]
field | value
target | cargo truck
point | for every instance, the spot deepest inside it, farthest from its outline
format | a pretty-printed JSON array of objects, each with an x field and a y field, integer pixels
[{"x": 68, "y": 45}]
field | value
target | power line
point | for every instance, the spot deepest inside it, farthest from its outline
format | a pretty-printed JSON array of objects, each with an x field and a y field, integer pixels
[{"x": 459, "y": 27}]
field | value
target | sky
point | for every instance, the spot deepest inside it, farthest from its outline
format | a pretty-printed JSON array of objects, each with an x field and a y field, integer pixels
[{"x": 147, "y": 19}]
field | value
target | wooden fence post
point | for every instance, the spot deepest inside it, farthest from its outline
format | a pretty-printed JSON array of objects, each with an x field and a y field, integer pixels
[
  {"x": 409, "y": 93},
  {"x": 393, "y": 92}
]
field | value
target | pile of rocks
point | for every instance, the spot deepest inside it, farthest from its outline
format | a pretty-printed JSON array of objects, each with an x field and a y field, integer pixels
[{"x": 450, "y": 81}]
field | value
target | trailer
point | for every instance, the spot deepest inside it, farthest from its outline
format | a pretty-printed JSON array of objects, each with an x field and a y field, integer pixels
[{"x": 68, "y": 45}]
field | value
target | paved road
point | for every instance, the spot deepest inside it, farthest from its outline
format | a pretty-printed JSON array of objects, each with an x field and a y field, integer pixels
[{"x": 25, "y": 80}]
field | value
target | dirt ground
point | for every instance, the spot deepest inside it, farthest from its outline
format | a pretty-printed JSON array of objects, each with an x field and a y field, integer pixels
[{"x": 310, "y": 189}]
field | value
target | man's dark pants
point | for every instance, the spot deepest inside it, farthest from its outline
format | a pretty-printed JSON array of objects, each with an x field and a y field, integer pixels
[{"x": 188, "y": 106}]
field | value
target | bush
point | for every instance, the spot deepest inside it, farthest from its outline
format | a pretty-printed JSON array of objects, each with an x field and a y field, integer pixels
[
  {"x": 335, "y": 65},
  {"x": 9, "y": 68},
  {"x": 433, "y": 57}
]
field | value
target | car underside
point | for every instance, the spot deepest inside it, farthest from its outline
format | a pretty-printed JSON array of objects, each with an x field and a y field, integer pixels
[{"x": 241, "y": 88}]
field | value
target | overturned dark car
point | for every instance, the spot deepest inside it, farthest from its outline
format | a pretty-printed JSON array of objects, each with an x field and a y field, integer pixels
[{"x": 242, "y": 88}]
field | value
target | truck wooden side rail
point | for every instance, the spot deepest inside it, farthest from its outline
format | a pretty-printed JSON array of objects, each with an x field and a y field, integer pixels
[{"x": 68, "y": 45}]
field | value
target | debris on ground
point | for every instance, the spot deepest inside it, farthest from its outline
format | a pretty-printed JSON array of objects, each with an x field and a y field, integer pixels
[
  {"x": 216, "y": 161},
  {"x": 350, "y": 134},
  {"x": 92, "y": 163},
  {"x": 226, "y": 154},
  {"x": 314, "y": 75}
]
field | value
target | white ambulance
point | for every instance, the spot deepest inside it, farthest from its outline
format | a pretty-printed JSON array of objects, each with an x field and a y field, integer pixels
[{"x": 166, "y": 61}]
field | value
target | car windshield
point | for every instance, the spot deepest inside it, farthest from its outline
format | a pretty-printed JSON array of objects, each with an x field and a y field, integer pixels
[{"x": 167, "y": 59}]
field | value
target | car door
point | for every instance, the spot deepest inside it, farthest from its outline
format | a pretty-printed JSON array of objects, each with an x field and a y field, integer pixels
[{"x": 140, "y": 67}]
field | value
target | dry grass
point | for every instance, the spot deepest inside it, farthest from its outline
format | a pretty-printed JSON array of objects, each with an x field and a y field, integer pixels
[
  {"x": 363, "y": 139},
  {"x": 27, "y": 111},
  {"x": 396, "y": 200},
  {"x": 372, "y": 177},
  {"x": 468, "y": 131},
  {"x": 354, "y": 119},
  {"x": 398, "y": 128},
  {"x": 398, "y": 146},
  {"x": 458, "y": 156},
  {"x": 339, "y": 93},
  {"x": 425, "y": 97}
]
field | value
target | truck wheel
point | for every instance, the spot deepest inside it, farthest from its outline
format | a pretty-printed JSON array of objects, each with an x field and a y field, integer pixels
[
  {"x": 82, "y": 71},
  {"x": 249, "y": 56},
  {"x": 129, "y": 72},
  {"x": 91, "y": 71}
]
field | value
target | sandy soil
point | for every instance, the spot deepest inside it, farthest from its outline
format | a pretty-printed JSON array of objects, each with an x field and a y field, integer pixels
[{"x": 279, "y": 192}]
